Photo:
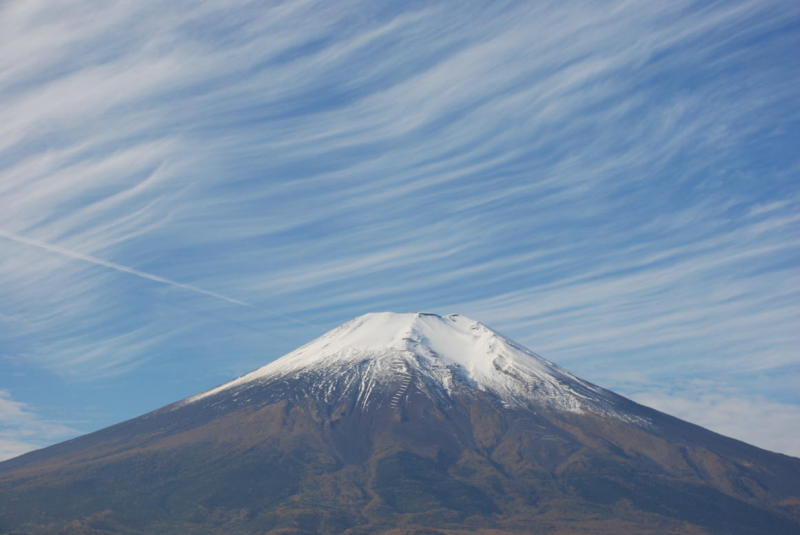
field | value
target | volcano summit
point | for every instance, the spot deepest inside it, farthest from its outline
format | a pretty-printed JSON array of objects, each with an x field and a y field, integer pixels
[
  {"x": 441, "y": 356},
  {"x": 403, "y": 424}
]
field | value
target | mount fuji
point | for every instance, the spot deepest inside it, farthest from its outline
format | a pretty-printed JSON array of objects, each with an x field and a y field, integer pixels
[{"x": 403, "y": 424}]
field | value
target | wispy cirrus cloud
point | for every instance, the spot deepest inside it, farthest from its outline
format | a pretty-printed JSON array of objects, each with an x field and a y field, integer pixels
[
  {"x": 745, "y": 416},
  {"x": 614, "y": 185},
  {"x": 23, "y": 430}
]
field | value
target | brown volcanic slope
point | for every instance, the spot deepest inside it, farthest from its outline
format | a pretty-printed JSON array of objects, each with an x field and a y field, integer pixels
[{"x": 333, "y": 446}]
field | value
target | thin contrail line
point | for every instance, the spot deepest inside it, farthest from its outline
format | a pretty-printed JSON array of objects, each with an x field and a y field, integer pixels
[{"x": 118, "y": 267}]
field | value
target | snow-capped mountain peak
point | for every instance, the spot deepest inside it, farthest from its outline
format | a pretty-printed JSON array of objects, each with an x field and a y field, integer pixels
[{"x": 450, "y": 351}]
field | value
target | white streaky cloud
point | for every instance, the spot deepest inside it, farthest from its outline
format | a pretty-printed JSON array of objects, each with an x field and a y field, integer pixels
[
  {"x": 14, "y": 448},
  {"x": 117, "y": 267},
  {"x": 22, "y": 429},
  {"x": 751, "y": 418}
]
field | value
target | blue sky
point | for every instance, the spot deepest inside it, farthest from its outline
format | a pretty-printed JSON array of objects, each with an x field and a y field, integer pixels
[{"x": 189, "y": 190}]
